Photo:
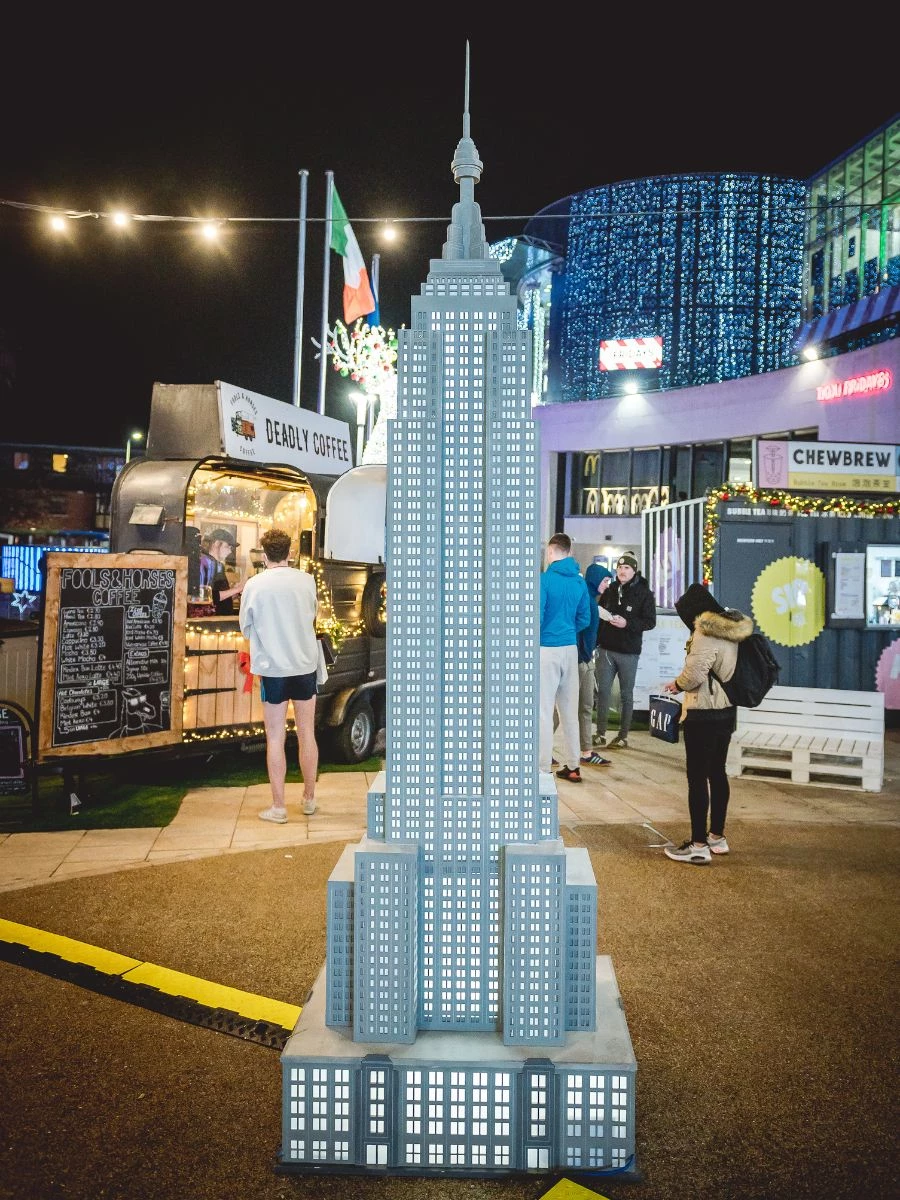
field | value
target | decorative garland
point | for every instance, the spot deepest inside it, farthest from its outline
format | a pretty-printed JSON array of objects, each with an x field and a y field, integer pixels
[
  {"x": 367, "y": 354},
  {"x": 805, "y": 505}
]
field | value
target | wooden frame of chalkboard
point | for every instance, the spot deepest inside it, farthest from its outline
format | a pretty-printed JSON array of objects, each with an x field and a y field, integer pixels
[{"x": 112, "y": 653}]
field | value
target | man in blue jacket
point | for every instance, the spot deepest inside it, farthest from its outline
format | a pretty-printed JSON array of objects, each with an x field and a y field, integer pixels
[{"x": 565, "y": 611}]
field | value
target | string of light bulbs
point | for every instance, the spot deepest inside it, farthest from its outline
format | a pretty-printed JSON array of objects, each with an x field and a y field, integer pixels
[{"x": 122, "y": 218}]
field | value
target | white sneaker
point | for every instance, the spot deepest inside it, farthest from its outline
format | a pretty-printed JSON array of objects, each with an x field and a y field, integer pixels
[
  {"x": 278, "y": 816},
  {"x": 687, "y": 852},
  {"x": 718, "y": 845},
  {"x": 309, "y": 806}
]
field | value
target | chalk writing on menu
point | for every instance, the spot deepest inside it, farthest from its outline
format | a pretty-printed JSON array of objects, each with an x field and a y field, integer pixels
[{"x": 113, "y": 653}]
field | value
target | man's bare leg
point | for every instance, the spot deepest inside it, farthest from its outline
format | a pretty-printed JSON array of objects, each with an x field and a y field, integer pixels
[
  {"x": 307, "y": 749},
  {"x": 274, "y": 716}
]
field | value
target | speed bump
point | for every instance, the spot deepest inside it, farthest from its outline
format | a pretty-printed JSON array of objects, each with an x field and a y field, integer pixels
[{"x": 173, "y": 993}]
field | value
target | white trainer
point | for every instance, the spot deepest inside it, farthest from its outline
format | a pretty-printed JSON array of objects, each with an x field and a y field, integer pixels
[{"x": 687, "y": 852}]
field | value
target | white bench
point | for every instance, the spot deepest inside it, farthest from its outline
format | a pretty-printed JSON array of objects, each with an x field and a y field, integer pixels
[{"x": 822, "y": 736}]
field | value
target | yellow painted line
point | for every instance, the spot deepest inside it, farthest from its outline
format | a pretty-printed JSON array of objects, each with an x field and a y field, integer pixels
[
  {"x": 215, "y": 995},
  {"x": 66, "y": 948},
  {"x": 133, "y": 970},
  {"x": 567, "y": 1189}
]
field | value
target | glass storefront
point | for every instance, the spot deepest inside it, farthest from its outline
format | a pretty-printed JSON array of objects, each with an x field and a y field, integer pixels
[{"x": 853, "y": 228}]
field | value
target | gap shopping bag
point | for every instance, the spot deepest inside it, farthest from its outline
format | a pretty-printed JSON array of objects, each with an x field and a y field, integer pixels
[{"x": 665, "y": 713}]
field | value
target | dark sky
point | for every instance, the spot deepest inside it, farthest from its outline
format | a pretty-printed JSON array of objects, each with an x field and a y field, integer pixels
[{"x": 163, "y": 118}]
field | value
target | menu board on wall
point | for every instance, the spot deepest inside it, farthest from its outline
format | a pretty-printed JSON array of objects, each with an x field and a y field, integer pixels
[
  {"x": 662, "y": 657},
  {"x": 112, "y": 661}
]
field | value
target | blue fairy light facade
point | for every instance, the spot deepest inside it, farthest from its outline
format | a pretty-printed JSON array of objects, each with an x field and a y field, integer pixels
[{"x": 712, "y": 264}]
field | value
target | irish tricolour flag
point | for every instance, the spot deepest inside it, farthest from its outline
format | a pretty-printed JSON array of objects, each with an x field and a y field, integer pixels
[{"x": 358, "y": 298}]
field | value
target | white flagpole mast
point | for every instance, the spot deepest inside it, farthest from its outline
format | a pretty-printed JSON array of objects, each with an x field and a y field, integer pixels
[
  {"x": 376, "y": 264},
  {"x": 323, "y": 353},
  {"x": 301, "y": 271}
]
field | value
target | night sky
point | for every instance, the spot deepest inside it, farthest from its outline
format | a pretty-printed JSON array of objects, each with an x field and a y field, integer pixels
[{"x": 162, "y": 118}]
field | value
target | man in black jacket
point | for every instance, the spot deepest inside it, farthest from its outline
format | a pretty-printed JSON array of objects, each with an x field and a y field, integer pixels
[{"x": 627, "y": 608}]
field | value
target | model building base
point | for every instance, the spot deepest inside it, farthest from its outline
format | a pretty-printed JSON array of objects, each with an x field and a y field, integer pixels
[{"x": 459, "y": 1103}]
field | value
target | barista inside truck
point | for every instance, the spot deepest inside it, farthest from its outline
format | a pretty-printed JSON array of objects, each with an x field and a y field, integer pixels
[{"x": 221, "y": 547}]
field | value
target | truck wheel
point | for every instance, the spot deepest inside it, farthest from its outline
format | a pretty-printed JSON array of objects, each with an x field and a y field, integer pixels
[{"x": 354, "y": 739}]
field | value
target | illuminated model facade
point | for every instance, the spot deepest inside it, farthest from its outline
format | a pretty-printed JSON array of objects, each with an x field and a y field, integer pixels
[{"x": 464, "y": 1023}]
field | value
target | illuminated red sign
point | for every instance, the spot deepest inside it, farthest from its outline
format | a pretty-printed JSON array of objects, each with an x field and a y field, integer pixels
[
  {"x": 858, "y": 385},
  {"x": 629, "y": 354}
]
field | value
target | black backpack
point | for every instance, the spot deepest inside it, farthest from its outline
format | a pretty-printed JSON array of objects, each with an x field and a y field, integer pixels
[{"x": 756, "y": 671}]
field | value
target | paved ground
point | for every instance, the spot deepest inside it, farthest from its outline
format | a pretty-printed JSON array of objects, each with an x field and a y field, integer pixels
[
  {"x": 760, "y": 994},
  {"x": 644, "y": 784}
]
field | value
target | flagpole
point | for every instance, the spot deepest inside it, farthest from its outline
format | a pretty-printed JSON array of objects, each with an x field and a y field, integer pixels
[
  {"x": 323, "y": 353},
  {"x": 376, "y": 263},
  {"x": 301, "y": 271}
]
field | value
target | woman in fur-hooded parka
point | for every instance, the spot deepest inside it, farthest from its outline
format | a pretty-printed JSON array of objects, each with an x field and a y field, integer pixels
[
  {"x": 712, "y": 646},
  {"x": 707, "y": 716}
]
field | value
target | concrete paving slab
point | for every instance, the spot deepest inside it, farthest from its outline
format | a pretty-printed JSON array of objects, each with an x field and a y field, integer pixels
[
  {"x": 55, "y": 842},
  {"x": 645, "y": 785}
]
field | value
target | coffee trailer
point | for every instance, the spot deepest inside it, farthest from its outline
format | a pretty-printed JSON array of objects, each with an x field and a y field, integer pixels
[{"x": 138, "y": 657}]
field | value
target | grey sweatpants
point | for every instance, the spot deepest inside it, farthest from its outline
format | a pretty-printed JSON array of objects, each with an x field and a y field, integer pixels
[{"x": 609, "y": 664}]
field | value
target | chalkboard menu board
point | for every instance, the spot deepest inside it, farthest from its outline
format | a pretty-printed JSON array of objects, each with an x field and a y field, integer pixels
[{"x": 112, "y": 659}]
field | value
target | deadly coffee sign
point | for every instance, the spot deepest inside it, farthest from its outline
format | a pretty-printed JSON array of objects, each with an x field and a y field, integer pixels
[
  {"x": 259, "y": 429},
  {"x": 112, "y": 662}
]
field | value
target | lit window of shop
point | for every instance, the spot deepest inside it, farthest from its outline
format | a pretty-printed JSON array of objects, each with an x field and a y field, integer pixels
[
  {"x": 615, "y": 467},
  {"x": 645, "y": 480},
  {"x": 740, "y": 462},
  {"x": 709, "y": 467}
]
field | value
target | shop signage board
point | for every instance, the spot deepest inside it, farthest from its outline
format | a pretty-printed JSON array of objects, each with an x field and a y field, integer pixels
[
  {"x": 13, "y": 779},
  {"x": 630, "y": 354},
  {"x": 829, "y": 466},
  {"x": 259, "y": 429},
  {"x": 112, "y": 653}
]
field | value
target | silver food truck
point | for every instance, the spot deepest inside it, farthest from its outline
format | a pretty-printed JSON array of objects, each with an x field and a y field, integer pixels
[
  {"x": 223, "y": 459},
  {"x": 133, "y": 653}
]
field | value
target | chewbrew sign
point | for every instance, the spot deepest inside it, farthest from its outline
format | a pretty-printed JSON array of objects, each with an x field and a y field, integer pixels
[{"x": 829, "y": 466}]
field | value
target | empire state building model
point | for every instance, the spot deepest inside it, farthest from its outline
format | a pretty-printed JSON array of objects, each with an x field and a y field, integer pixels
[{"x": 463, "y": 1023}]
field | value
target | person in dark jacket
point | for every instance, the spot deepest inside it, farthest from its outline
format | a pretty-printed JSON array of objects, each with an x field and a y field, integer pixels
[
  {"x": 587, "y": 644},
  {"x": 707, "y": 717},
  {"x": 221, "y": 547},
  {"x": 627, "y": 609},
  {"x": 565, "y": 611}
]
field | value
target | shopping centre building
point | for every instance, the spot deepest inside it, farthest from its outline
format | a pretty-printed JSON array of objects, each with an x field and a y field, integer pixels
[{"x": 682, "y": 322}]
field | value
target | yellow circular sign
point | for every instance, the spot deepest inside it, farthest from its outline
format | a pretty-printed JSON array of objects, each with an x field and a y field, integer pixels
[{"x": 789, "y": 601}]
